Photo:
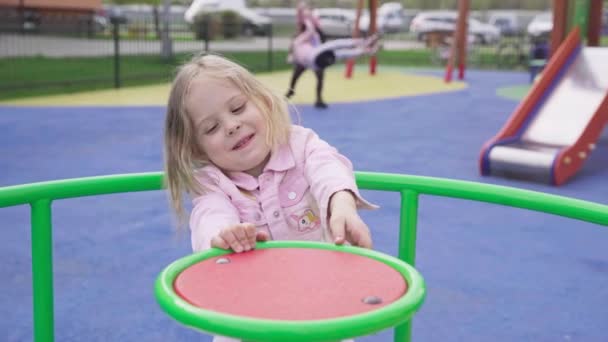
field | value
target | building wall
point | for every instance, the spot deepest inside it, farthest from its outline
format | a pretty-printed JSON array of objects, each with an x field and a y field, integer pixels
[
  {"x": 54, "y": 4},
  {"x": 51, "y": 16}
]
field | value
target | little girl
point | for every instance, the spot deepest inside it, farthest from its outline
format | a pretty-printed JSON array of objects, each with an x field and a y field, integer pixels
[{"x": 253, "y": 176}]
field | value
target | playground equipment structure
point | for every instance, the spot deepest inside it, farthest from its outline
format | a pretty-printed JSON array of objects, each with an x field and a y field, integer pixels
[
  {"x": 235, "y": 294},
  {"x": 566, "y": 15},
  {"x": 552, "y": 132},
  {"x": 373, "y": 8},
  {"x": 40, "y": 197}
]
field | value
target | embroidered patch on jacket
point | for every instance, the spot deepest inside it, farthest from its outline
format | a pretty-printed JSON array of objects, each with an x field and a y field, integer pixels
[{"x": 307, "y": 221}]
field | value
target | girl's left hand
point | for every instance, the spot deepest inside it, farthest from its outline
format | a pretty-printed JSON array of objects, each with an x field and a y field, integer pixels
[{"x": 345, "y": 223}]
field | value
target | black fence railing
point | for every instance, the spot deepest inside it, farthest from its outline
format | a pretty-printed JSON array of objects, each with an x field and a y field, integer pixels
[
  {"x": 59, "y": 56},
  {"x": 123, "y": 53}
]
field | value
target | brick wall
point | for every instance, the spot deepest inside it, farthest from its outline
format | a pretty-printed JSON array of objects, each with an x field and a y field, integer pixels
[{"x": 54, "y": 4}]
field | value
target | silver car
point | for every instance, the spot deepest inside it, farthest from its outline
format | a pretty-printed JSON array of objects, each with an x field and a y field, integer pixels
[
  {"x": 425, "y": 22},
  {"x": 541, "y": 25},
  {"x": 336, "y": 22}
]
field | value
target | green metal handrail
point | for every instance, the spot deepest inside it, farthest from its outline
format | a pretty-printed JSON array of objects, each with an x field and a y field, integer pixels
[{"x": 40, "y": 196}]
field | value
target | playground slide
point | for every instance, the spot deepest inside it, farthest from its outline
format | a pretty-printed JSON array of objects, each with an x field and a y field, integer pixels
[{"x": 553, "y": 130}]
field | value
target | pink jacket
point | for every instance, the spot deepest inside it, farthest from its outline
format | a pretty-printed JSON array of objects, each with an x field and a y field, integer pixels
[
  {"x": 304, "y": 46},
  {"x": 289, "y": 200}
]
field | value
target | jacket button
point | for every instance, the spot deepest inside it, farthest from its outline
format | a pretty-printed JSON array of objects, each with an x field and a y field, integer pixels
[
  {"x": 292, "y": 195},
  {"x": 276, "y": 214}
]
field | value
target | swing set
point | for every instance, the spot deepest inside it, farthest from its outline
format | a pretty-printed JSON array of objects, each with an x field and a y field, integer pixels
[{"x": 373, "y": 10}]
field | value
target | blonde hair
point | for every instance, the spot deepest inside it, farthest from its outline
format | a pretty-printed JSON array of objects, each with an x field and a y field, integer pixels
[{"x": 182, "y": 154}]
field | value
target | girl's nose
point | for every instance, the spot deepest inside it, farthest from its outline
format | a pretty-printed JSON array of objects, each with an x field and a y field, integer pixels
[{"x": 233, "y": 128}]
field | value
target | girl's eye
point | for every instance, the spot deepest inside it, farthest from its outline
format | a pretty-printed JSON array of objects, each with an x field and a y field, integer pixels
[
  {"x": 238, "y": 109},
  {"x": 211, "y": 129}
]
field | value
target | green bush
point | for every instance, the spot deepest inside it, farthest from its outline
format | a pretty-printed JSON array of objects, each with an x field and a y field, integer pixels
[
  {"x": 207, "y": 26},
  {"x": 230, "y": 24}
]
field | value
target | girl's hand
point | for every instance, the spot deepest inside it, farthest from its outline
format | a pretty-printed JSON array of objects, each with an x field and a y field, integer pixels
[
  {"x": 345, "y": 223},
  {"x": 240, "y": 237}
]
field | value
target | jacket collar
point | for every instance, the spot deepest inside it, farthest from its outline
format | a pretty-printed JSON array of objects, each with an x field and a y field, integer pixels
[{"x": 280, "y": 160}]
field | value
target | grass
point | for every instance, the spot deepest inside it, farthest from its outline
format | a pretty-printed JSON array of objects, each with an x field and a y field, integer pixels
[{"x": 34, "y": 76}]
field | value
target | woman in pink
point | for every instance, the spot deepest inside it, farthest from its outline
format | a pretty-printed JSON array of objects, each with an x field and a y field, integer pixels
[
  {"x": 309, "y": 52},
  {"x": 304, "y": 14},
  {"x": 252, "y": 175}
]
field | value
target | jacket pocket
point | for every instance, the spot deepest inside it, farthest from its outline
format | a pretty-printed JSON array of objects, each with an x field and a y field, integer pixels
[
  {"x": 292, "y": 192},
  {"x": 300, "y": 210}
]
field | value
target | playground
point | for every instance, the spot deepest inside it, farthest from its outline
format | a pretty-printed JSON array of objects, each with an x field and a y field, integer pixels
[
  {"x": 492, "y": 272},
  {"x": 475, "y": 153}
]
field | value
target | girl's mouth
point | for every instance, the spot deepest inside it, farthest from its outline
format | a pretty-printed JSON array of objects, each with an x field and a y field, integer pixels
[{"x": 243, "y": 142}]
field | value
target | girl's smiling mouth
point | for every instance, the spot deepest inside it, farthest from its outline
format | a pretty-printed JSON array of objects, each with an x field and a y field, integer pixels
[{"x": 243, "y": 142}]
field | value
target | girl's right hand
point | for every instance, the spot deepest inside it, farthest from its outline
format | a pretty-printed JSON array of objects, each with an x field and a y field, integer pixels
[{"x": 240, "y": 237}]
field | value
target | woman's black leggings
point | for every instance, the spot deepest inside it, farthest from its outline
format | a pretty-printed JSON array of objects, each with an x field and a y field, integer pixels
[{"x": 298, "y": 70}]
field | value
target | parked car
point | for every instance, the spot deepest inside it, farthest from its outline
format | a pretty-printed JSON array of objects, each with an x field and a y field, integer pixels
[
  {"x": 336, "y": 22},
  {"x": 31, "y": 20},
  {"x": 484, "y": 33},
  {"x": 508, "y": 23},
  {"x": 426, "y": 22},
  {"x": 389, "y": 18},
  {"x": 541, "y": 25},
  {"x": 252, "y": 22},
  {"x": 100, "y": 23}
]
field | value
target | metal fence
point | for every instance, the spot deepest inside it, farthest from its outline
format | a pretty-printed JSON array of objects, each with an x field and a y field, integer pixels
[
  {"x": 78, "y": 53},
  {"x": 72, "y": 54}
]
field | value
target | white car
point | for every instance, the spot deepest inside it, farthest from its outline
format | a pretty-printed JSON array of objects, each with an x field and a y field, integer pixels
[
  {"x": 541, "y": 25},
  {"x": 389, "y": 18},
  {"x": 484, "y": 32},
  {"x": 508, "y": 23},
  {"x": 426, "y": 22},
  {"x": 253, "y": 23},
  {"x": 336, "y": 22}
]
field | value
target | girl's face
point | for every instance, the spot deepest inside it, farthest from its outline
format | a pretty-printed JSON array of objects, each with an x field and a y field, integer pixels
[{"x": 228, "y": 127}]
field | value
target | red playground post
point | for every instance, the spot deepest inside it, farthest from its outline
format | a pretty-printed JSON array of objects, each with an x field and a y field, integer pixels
[
  {"x": 459, "y": 43},
  {"x": 350, "y": 64}
]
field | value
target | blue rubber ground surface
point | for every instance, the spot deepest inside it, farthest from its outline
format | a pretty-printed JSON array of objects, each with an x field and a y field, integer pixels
[{"x": 493, "y": 273}]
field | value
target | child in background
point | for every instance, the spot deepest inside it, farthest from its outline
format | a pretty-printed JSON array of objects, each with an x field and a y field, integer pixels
[
  {"x": 308, "y": 52},
  {"x": 539, "y": 48},
  {"x": 304, "y": 14},
  {"x": 253, "y": 176}
]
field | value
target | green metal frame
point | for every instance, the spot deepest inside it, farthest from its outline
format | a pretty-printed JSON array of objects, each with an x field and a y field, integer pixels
[
  {"x": 41, "y": 195},
  {"x": 265, "y": 330}
]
